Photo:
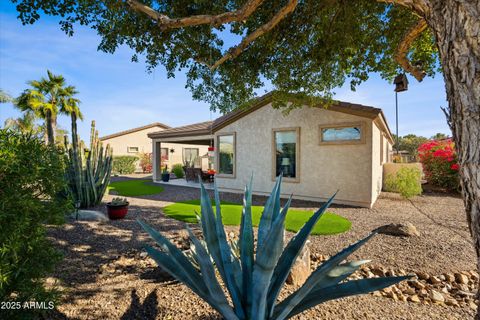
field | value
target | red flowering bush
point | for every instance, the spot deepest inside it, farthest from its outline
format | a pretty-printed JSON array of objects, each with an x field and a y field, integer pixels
[
  {"x": 439, "y": 162},
  {"x": 146, "y": 162}
]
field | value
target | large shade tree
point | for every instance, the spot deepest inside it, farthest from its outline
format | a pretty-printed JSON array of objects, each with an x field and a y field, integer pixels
[
  {"x": 306, "y": 47},
  {"x": 48, "y": 97}
]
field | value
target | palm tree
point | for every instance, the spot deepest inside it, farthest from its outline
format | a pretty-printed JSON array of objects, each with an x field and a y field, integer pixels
[
  {"x": 4, "y": 97},
  {"x": 46, "y": 98},
  {"x": 25, "y": 124}
]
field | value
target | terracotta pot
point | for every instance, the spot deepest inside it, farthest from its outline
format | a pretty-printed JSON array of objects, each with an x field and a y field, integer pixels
[{"x": 117, "y": 212}]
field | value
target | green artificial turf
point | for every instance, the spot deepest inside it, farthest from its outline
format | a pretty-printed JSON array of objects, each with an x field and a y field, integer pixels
[
  {"x": 132, "y": 188},
  {"x": 329, "y": 223}
]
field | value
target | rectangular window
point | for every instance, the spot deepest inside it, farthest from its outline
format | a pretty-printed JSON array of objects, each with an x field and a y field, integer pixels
[
  {"x": 132, "y": 149},
  {"x": 347, "y": 133},
  {"x": 191, "y": 155},
  {"x": 164, "y": 154},
  {"x": 286, "y": 148},
  {"x": 226, "y": 154}
]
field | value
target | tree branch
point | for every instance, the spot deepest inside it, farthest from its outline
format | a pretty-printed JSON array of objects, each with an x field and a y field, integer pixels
[
  {"x": 166, "y": 22},
  {"x": 235, "y": 51},
  {"x": 402, "y": 50}
]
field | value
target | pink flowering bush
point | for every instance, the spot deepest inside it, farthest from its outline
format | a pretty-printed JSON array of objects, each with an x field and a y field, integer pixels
[
  {"x": 146, "y": 162},
  {"x": 439, "y": 162}
]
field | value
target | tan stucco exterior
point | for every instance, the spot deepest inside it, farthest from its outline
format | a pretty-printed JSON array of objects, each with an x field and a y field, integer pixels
[
  {"x": 123, "y": 143},
  {"x": 353, "y": 169}
]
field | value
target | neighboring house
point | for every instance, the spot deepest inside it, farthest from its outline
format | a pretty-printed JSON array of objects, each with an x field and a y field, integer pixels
[
  {"x": 134, "y": 142},
  {"x": 318, "y": 150}
]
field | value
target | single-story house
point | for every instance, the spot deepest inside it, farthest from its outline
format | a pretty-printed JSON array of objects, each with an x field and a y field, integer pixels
[
  {"x": 318, "y": 150},
  {"x": 134, "y": 142}
]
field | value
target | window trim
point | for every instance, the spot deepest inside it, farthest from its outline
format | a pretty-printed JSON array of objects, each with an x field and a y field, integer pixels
[
  {"x": 360, "y": 124},
  {"x": 217, "y": 155},
  {"x": 129, "y": 151},
  {"x": 297, "y": 154}
]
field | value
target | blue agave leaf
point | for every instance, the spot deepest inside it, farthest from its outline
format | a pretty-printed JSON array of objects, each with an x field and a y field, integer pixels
[
  {"x": 166, "y": 262},
  {"x": 267, "y": 217},
  {"x": 266, "y": 259},
  {"x": 316, "y": 278},
  {"x": 246, "y": 247},
  {"x": 177, "y": 255},
  {"x": 231, "y": 266},
  {"x": 290, "y": 254},
  {"x": 345, "y": 289},
  {"x": 208, "y": 273}
]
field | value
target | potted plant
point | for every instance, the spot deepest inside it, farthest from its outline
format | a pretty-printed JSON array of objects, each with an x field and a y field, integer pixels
[
  {"x": 117, "y": 208},
  {"x": 165, "y": 174}
]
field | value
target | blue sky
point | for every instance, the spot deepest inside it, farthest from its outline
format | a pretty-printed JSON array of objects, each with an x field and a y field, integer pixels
[{"x": 120, "y": 94}]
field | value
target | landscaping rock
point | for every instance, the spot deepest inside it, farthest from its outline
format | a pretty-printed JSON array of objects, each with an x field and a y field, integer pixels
[
  {"x": 437, "y": 296},
  {"x": 301, "y": 269},
  {"x": 461, "y": 278},
  {"x": 90, "y": 215},
  {"x": 399, "y": 230}
]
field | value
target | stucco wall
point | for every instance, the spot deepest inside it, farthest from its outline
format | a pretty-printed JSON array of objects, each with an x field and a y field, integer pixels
[
  {"x": 135, "y": 139},
  {"x": 323, "y": 170}
]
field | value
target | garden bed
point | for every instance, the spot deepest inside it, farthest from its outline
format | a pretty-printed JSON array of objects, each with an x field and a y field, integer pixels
[{"x": 106, "y": 274}]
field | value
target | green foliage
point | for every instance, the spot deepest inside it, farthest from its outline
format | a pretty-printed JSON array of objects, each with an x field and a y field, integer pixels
[
  {"x": 117, "y": 201},
  {"x": 32, "y": 194},
  {"x": 177, "y": 169},
  {"x": 407, "y": 182},
  {"x": 88, "y": 172},
  {"x": 410, "y": 143},
  {"x": 330, "y": 223},
  {"x": 134, "y": 187},
  {"x": 124, "y": 164},
  {"x": 311, "y": 51},
  {"x": 254, "y": 280}
]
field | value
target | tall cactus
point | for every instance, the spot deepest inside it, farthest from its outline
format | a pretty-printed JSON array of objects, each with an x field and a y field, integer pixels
[{"x": 88, "y": 172}]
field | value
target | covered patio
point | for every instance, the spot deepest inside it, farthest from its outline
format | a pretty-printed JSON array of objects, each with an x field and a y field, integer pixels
[{"x": 198, "y": 134}]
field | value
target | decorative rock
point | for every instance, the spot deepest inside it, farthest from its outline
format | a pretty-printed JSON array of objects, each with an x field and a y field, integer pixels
[
  {"x": 449, "y": 277},
  {"x": 437, "y": 297},
  {"x": 418, "y": 285},
  {"x": 399, "y": 230},
  {"x": 435, "y": 280},
  {"x": 451, "y": 302},
  {"x": 301, "y": 269},
  {"x": 423, "y": 293},
  {"x": 409, "y": 291},
  {"x": 90, "y": 215},
  {"x": 414, "y": 298},
  {"x": 473, "y": 305},
  {"x": 423, "y": 275},
  {"x": 461, "y": 278}
]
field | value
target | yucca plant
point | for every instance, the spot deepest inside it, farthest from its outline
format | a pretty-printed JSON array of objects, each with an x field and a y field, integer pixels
[{"x": 254, "y": 280}]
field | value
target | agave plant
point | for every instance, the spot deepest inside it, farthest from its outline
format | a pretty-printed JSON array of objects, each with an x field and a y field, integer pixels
[{"x": 254, "y": 279}]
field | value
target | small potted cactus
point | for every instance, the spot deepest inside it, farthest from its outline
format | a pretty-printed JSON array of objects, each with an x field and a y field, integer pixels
[
  {"x": 165, "y": 174},
  {"x": 117, "y": 208}
]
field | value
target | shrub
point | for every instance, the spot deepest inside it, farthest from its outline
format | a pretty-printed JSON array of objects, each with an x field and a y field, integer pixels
[
  {"x": 177, "y": 169},
  {"x": 254, "y": 278},
  {"x": 32, "y": 194},
  {"x": 124, "y": 164},
  {"x": 439, "y": 162},
  {"x": 146, "y": 162},
  {"x": 406, "y": 182}
]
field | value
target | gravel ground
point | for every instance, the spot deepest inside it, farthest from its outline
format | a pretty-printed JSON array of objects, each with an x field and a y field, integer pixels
[{"x": 105, "y": 276}]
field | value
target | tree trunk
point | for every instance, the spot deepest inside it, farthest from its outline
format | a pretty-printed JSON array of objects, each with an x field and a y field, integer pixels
[
  {"x": 456, "y": 26},
  {"x": 49, "y": 124}
]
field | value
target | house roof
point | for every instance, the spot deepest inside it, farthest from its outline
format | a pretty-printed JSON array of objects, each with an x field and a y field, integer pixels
[
  {"x": 196, "y": 129},
  {"x": 148, "y": 126},
  {"x": 208, "y": 127},
  {"x": 339, "y": 106}
]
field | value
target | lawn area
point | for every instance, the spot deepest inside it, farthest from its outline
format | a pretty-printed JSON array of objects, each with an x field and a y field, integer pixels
[
  {"x": 329, "y": 223},
  {"x": 132, "y": 188}
]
